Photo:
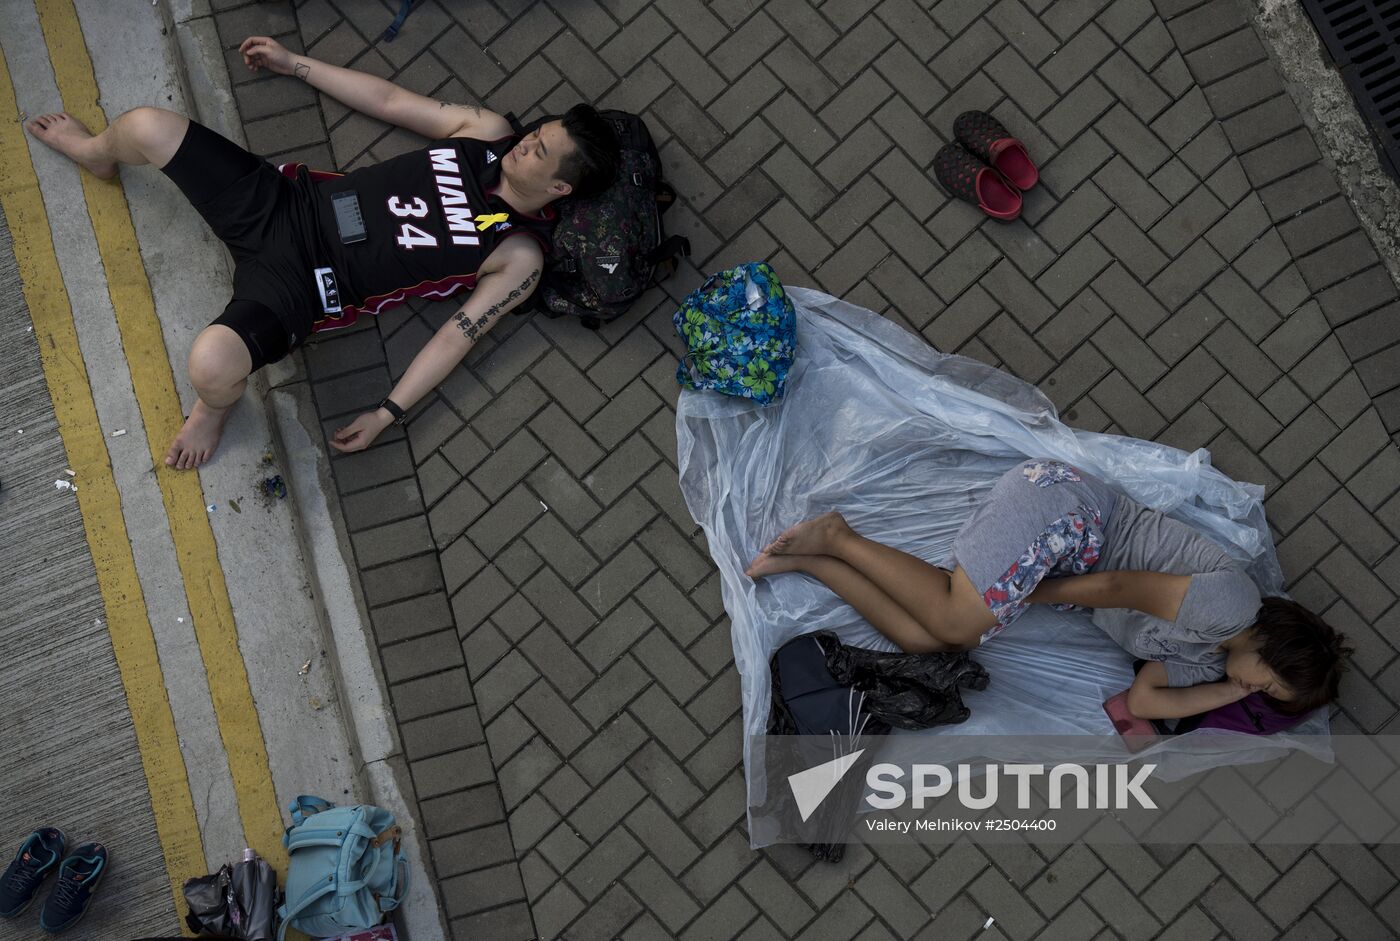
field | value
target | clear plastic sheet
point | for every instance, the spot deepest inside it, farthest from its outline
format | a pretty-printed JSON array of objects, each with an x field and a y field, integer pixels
[{"x": 904, "y": 441}]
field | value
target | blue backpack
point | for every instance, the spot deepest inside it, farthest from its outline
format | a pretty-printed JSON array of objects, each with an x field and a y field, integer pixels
[
  {"x": 343, "y": 874},
  {"x": 740, "y": 332}
]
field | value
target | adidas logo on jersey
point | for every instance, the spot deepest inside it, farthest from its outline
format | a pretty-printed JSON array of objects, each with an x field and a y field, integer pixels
[{"x": 490, "y": 156}]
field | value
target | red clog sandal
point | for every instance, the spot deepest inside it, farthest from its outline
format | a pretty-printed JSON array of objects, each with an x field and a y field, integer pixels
[
  {"x": 968, "y": 178},
  {"x": 986, "y": 138}
]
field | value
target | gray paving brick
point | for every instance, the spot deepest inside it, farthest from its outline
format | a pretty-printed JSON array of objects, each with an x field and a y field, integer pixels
[
  {"x": 1252, "y": 368},
  {"x": 1187, "y": 274},
  {"x": 865, "y": 41},
  {"x": 454, "y": 771},
  {"x": 1183, "y": 330},
  {"x": 1074, "y": 324},
  {"x": 1207, "y": 152},
  {"x": 1151, "y": 44},
  {"x": 439, "y": 692},
  {"x": 1349, "y": 575},
  {"x": 474, "y": 850},
  {"x": 420, "y": 656},
  {"x": 547, "y": 649},
  {"x": 1131, "y": 193},
  {"x": 1243, "y": 89},
  {"x": 615, "y": 688},
  {"x": 1280, "y": 157},
  {"x": 462, "y": 811}
]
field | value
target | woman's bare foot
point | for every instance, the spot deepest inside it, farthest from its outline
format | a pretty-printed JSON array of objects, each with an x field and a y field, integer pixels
[
  {"x": 70, "y": 137},
  {"x": 764, "y": 564},
  {"x": 195, "y": 443},
  {"x": 811, "y": 537}
]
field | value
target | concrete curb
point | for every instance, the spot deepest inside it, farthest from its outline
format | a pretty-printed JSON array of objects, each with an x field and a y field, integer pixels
[
  {"x": 380, "y": 763},
  {"x": 381, "y": 772}
]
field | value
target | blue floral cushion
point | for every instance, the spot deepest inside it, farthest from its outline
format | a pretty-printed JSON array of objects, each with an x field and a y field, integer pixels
[{"x": 740, "y": 332}]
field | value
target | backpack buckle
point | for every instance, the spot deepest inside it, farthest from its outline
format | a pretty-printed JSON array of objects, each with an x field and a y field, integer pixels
[{"x": 636, "y": 178}]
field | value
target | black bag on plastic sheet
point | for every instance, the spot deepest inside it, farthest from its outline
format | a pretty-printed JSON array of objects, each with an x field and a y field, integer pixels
[
  {"x": 238, "y": 902},
  {"x": 822, "y": 687},
  {"x": 905, "y": 690}
]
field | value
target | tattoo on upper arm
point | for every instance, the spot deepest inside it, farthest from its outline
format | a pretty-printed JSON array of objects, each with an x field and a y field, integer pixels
[
  {"x": 471, "y": 329},
  {"x": 301, "y": 70},
  {"x": 475, "y": 109}
]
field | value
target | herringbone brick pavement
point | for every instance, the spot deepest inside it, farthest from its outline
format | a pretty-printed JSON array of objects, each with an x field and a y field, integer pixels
[{"x": 547, "y": 617}]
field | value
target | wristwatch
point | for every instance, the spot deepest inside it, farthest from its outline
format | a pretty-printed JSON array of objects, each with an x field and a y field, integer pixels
[{"x": 400, "y": 416}]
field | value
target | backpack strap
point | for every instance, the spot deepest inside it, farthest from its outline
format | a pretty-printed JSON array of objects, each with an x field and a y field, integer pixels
[
  {"x": 393, "y": 833},
  {"x": 288, "y": 912},
  {"x": 674, "y": 246},
  {"x": 305, "y": 806},
  {"x": 516, "y": 127},
  {"x": 392, "y": 30},
  {"x": 665, "y": 197}
]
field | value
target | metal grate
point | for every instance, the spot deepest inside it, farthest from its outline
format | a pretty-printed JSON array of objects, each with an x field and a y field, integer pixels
[{"x": 1363, "y": 39}]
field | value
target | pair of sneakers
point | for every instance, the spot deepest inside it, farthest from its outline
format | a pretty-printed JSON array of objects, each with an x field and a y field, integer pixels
[
  {"x": 78, "y": 876},
  {"x": 986, "y": 166}
]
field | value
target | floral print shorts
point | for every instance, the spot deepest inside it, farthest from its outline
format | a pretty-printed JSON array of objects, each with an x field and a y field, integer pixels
[{"x": 1068, "y": 546}]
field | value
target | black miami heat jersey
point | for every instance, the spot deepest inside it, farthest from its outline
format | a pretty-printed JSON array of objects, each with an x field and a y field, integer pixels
[{"x": 431, "y": 218}]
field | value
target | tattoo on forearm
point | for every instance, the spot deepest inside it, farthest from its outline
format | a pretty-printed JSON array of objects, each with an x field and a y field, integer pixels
[
  {"x": 301, "y": 70},
  {"x": 475, "y": 109},
  {"x": 471, "y": 329}
]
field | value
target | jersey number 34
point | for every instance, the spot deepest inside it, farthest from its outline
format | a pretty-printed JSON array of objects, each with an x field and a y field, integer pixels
[{"x": 410, "y": 236}]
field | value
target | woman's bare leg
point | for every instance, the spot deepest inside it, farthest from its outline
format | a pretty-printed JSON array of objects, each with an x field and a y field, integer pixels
[
  {"x": 142, "y": 135},
  {"x": 883, "y": 612},
  {"x": 947, "y": 605}
]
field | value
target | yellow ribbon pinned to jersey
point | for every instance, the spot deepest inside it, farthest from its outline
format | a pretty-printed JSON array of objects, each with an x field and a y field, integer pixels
[{"x": 490, "y": 219}]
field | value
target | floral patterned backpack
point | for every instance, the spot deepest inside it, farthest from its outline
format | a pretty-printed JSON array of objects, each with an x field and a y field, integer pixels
[{"x": 740, "y": 332}]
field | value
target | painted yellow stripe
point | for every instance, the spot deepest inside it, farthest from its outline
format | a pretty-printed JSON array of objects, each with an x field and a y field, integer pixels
[
  {"x": 154, "y": 384},
  {"x": 100, "y": 503}
]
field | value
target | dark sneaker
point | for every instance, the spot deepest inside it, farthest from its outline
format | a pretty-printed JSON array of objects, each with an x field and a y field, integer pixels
[
  {"x": 38, "y": 857},
  {"x": 72, "y": 893}
]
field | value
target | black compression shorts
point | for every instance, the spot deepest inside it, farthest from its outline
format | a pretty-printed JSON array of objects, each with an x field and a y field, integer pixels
[{"x": 248, "y": 204}]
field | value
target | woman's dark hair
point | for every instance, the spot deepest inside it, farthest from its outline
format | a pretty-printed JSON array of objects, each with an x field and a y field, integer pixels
[
  {"x": 592, "y": 165},
  {"x": 1304, "y": 650}
]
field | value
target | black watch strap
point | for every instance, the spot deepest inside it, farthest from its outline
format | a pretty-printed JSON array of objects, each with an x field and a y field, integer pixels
[{"x": 390, "y": 406}]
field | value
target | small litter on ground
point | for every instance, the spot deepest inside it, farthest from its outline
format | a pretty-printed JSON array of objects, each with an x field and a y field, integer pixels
[
  {"x": 64, "y": 485},
  {"x": 119, "y": 432},
  {"x": 179, "y": 620},
  {"x": 274, "y": 487},
  {"x": 988, "y": 923},
  {"x": 543, "y": 507},
  {"x": 305, "y": 668},
  {"x": 70, "y": 472},
  {"x": 233, "y": 505},
  {"x": 211, "y": 508}
]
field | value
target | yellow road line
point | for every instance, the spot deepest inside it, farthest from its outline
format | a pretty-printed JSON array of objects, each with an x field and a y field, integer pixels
[
  {"x": 154, "y": 384},
  {"x": 127, "y": 621}
]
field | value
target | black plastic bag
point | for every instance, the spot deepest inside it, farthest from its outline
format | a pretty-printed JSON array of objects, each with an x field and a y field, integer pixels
[
  {"x": 821, "y": 687},
  {"x": 905, "y": 690},
  {"x": 238, "y": 902}
]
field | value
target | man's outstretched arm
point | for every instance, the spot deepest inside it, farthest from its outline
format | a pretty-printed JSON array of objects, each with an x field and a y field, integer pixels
[
  {"x": 509, "y": 277},
  {"x": 375, "y": 97}
]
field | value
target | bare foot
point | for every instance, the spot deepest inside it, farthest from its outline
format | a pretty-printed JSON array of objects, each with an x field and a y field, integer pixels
[
  {"x": 811, "y": 537},
  {"x": 195, "y": 443},
  {"x": 764, "y": 564},
  {"x": 69, "y": 136}
]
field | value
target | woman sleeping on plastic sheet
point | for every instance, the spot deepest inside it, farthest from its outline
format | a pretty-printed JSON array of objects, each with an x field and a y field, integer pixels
[
  {"x": 1048, "y": 533},
  {"x": 1098, "y": 550}
]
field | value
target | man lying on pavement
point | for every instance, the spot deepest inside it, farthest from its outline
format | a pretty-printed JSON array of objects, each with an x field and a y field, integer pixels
[{"x": 315, "y": 249}]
